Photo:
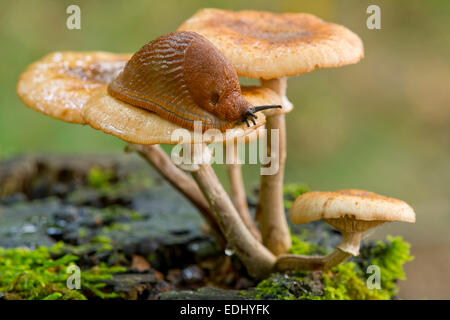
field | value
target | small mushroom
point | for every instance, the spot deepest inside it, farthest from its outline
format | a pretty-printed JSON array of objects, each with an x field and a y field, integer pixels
[
  {"x": 271, "y": 47},
  {"x": 350, "y": 211}
]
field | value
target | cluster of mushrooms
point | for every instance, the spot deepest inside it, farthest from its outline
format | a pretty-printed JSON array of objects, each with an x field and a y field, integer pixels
[{"x": 192, "y": 74}]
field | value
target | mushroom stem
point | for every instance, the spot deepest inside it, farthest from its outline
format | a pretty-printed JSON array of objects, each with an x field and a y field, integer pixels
[
  {"x": 296, "y": 262},
  {"x": 154, "y": 155},
  {"x": 258, "y": 260},
  {"x": 238, "y": 194},
  {"x": 270, "y": 211},
  {"x": 347, "y": 248},
  {"x": 350, "y": 242}
]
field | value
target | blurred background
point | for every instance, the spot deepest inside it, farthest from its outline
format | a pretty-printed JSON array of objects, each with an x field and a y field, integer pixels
[{"x": 381, "y": 125}]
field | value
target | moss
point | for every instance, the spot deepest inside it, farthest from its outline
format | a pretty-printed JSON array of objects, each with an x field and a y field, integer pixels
[
  {"x": 116, "y": 226},
  {"x": 346, "y": 281},
  {"x": 105, "y": 243},
  {"x": 112, "y": 184},
  {"x": 97, "y": 244},
  {"x": 142, "y": 179},
  {"x": 274, "y": 288},
  {"x": 299, "y": 246},
  {"x": 83, "y": 232},
  {"x": 37, "y": 274},
  {"x": 99, "y": 178},
  {"x": 292, "y": 191},
  {"x": 389, "y": 256},
  {"x": 116, "y": 212}
]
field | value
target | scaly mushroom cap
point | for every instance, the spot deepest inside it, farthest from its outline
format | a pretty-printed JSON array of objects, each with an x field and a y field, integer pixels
[
  {"x": 350, "y": 210},
  {"x": 136, "y": 125},
  {"x": 269, "y": 45},
  {"x": 60, "y": 84}
]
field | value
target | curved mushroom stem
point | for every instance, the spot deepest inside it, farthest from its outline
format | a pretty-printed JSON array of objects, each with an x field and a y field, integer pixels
[
  {"x": 238, "y": 194},
  {"x": 347, "y": 248},
  {"x": 270, "y": 211},
  {"x": 350, "y": 242},
  {"x": 258, "y": 260},
  {"x": 180, "y": 181}
]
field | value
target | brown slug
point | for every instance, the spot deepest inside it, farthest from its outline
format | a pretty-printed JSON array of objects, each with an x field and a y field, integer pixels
[{"x": 183, "y": 78}]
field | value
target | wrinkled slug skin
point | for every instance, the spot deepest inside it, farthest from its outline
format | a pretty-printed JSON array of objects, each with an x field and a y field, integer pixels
[{"x": 183, "y": 78}]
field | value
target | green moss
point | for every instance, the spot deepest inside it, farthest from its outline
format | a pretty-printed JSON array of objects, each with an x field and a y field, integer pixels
[
  {"x": 99, "y": 178},
  {"x": 116, "y": 226},
  {"x": 343, "y": 282},
  {"x": 142, "y": 179},
  {"x": 82, "y": 232},
  {"x": 389, "y": 256},
  {"x": 109, "y": 183},
  {"x": 292, "y": 191},
  {"x": 105, "y": 243},
  {"x": 36, "y": 274},
  {"x": 116, "y": 212},
  {"x": 274, "y": 288},
  {"x": 348, "y": 282},
  {"x": 299, "y": 246}
]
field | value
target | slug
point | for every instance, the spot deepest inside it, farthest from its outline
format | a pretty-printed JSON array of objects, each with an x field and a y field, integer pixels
[{"x": 183, "y": 78}]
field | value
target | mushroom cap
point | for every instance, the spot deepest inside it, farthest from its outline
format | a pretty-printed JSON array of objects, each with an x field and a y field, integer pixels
[
  {"x": 60, "y": 84},
  {"x": 350, "y": 210},
  {"x": 269, "y": 45},
  {"x": 136, "y": 125}
]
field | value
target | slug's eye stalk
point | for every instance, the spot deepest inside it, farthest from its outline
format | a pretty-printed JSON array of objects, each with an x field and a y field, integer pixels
[
  {"x": 250, "y": 114},
  {"x": 260, "y": 108}
]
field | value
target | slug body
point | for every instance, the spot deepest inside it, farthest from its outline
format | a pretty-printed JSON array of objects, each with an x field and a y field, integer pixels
[{"x": 183, "y": 78}]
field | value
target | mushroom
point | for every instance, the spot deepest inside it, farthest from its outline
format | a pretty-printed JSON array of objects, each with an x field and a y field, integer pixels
[
  {"x": 350, "y": 211},
  {"x": 271, "y": 47},
  {"x": 80, "y": 95}
]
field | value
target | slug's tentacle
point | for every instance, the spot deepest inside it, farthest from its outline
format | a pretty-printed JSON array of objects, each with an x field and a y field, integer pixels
[
  {"x": 250, "y": 113},
  {"x": 260, "y": 108}
]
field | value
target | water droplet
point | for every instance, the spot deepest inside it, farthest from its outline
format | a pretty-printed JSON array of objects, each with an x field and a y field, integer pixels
[{"x": 229, "y": 251}]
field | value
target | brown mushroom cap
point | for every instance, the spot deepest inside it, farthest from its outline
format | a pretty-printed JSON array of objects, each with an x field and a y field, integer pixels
[
  {"x": 350, "y": 210},
  {"x": 136, "y": 125},
  {"x": 61, "y": 83},
  {"x": 269, "y": 45}
]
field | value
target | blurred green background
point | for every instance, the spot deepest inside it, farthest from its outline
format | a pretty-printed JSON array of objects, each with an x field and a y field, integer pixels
[{"x": 381, "y": 125}]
